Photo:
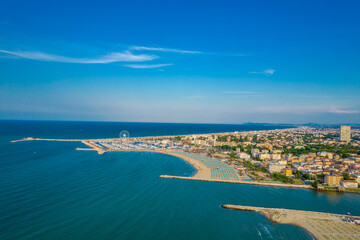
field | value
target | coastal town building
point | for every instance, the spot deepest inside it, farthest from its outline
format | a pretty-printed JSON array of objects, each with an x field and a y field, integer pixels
[
  {"x": 255, "y": 152},
  {"x": 275, "y": 167},
  {"x": 356, "y": 177},
  {"x": 264, "y": 156},
  {"x": 287, "y": 171},
  {"x": 345, "y": 133},
  {"x": 349, "y": 183},
  {"x": 333, "y": 180},
  {"x": 243, "y": 155}
]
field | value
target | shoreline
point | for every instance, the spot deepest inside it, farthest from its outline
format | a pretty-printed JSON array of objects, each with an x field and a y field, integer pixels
[
  {"x": 202, "y": 170},
  {"x": 203, "y": 173},
  {"x": 319, "y": 224}
]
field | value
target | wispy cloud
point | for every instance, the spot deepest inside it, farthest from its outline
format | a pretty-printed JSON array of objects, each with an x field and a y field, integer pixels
[
  {"x": 305, "y": 109},
  {"x": 174, "y": 50},
  {"x": 147, "y": 66},
  {"x": 142, "y": 48},
  {"x": 308, "y": 95},
  {"x": 125, "y": 56},
  {"x": 239, "y": 92},
  {"x": 343, "y": 111},
  {"x": 267, "y": 72}
]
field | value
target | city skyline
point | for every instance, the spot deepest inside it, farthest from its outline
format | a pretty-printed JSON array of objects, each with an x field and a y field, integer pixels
[{"x": 188, "y": 62}]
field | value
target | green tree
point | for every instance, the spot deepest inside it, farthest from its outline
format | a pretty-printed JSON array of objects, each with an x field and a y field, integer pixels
[
  {"x": 321, "y": 177},
  {"x": 297, "y": 174},
  {"x": 315, "y": 183},
  {"x": 306, "y": 176},
  {"x": 248, "y": 149},
  {"x": 281, "y": 177},
  {"x": 346, "y": 176}
]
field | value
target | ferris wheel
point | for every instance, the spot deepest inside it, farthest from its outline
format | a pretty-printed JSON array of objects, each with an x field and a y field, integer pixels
[{"x": 124, "y": 135}]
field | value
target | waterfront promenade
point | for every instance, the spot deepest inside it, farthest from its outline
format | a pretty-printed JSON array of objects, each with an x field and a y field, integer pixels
[{"x": 321, "y": 225}]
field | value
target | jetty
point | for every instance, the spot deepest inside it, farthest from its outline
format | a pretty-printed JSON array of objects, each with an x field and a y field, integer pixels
[
  {"x": 322, "y": 226},
  {"x": 239, "y": 182}
]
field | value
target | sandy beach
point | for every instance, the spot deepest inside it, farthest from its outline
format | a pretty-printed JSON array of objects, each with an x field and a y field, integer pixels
[{"x": 203, "y": 172}]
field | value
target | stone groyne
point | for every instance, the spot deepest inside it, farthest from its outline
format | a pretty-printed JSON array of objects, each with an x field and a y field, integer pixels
[
  {"x": 239, "y": 182},
  {"x": 321, "y": 225}
]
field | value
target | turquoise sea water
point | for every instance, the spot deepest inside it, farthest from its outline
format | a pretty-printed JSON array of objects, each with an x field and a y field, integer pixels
[{"x": 51, "y": 191}]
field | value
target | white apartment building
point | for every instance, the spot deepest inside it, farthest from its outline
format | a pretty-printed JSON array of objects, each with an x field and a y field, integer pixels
[{"x": 345, "y": 133}]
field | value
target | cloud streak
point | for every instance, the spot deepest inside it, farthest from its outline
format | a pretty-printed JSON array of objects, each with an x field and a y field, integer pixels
[
  {"x": 267, "y": 72},
  {"x": 306, "y": 110},
  {"x": 173, "y": 50},
  {"x": 125, "y": 56},
  {"x": 342, "y": 111},
  {"x": 142, "y": 48},
  {"x": 147, "y": 66},
  {"x": 239, "y": 92}
]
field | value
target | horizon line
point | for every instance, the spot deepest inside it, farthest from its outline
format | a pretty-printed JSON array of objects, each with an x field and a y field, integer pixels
[{"x": 112, "y": 121}]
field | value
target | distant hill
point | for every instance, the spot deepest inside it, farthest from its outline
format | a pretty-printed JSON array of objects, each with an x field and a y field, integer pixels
[
  {"x": 328, "y": 125},
  {"x": 269, "y": 124}
]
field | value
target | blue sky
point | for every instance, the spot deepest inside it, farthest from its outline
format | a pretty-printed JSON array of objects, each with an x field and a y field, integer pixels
[{"x": 181, "y": 61}]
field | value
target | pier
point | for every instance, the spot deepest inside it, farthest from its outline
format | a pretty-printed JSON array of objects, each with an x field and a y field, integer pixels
[{"x": 239, "y": 182}]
